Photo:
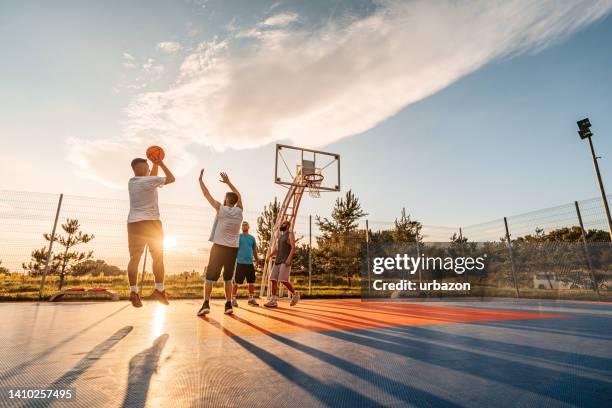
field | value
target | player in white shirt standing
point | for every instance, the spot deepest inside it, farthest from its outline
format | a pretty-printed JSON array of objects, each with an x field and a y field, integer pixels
[
  {"x": 225, "y": 238},
  {"x": 144, "y": 225}
]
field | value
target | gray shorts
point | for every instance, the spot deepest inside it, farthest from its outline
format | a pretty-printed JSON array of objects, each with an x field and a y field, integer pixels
[{"x": 280, "y": 273}]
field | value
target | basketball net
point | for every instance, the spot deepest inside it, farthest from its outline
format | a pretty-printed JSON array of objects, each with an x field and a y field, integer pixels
[{"x": 313, "y": 182}]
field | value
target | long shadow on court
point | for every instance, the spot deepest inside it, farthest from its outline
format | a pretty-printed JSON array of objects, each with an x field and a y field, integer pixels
[
  {"x": 588, "y": 327},
  {"x": 331, "y": 395},
  {"x": 399, "y": 390},
  {"x": 66, "y": 380},
  {"x": 539, "y": 353},
  {"x": 142, "y": 367},
  {"x": 37, "y": 357},
  {"x": 565, "y": 387}
]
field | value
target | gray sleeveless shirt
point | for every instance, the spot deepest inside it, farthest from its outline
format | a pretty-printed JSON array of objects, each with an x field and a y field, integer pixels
[{"x": 284, "y": 248}]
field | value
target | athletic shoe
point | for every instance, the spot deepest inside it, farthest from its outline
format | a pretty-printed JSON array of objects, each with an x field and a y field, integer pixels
[
  {"x": 228, "y": 308},
  {"x": 205, "y": 309},
  {"x": 161, "y": 297},
  {"x": 271, "y": 303},
  {"x": 253, "y": 302},
  {"x": 234, "y": 303},
  {"x": 294, "y": 299},
  {"x": 135, "y": 299}
]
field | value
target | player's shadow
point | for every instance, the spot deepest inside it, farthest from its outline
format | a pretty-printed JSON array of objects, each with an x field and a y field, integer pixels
[
  {"x": 327, "y": 393},
  {"x": 499, "y": 369},
  {"x": 66, "y": 380},
  {"x": 398, "y": 389},
  {"x": 47, "y": 352},
  {"x": 141, "y": 368}
]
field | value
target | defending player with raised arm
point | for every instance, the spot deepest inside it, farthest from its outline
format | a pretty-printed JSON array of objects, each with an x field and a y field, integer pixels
[
  {"x": 144, "y": 225},
  {"x": 247, "y": 253},
  {"x": 283, "y": 252},
  {"x": 225, "y": 238}
]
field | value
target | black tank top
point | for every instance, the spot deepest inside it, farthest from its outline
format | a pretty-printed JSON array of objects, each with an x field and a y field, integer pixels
[{"x": 284, "y": 248}]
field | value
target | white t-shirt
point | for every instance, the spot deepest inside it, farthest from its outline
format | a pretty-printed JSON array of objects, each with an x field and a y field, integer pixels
[
  {"x": 226, "y": 229},
  {"x": 143, "y": 198}
]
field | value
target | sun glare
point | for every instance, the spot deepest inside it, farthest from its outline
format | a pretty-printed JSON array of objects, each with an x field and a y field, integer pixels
[{"x": 169, "y": 242}]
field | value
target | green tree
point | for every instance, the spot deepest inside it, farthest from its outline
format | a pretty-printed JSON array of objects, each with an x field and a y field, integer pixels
[
  {"x": 96, "y": 267},
  {"x": 38, "y": 259},
  {"x": 69, "y": 258},
  {"x": 2, "y": 268},
  {"x": 406, "y": 230},
  {"x": 340, "y": 241}
]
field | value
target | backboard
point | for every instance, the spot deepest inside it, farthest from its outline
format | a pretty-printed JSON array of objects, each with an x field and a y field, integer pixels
[{"x": 297, "y": 166}]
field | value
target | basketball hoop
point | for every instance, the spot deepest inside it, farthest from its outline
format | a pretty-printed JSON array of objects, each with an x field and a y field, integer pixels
[{"x": 313, "y": 182}]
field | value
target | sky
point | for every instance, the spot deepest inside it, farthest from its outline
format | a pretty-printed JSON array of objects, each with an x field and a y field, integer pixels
[{"x": 460, "y": 112}]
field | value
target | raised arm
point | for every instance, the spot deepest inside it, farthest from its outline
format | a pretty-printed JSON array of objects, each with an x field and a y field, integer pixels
[
  {"x": 154, "y": 169},
  {"x": 225, "y": 179},
  {"x": 169, "y": 176},
  {"x": 216, "y": 205}
]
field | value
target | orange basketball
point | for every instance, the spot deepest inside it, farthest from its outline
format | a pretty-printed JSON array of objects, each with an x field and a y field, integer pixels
[{"x": 155, "y": 152}]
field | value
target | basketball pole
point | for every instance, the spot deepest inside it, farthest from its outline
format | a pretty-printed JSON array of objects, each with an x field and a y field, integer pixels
[{"x": 310, "y": 255}]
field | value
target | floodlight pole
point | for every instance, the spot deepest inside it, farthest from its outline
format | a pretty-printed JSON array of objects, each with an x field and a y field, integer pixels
[{"x": 601, "y": 187}]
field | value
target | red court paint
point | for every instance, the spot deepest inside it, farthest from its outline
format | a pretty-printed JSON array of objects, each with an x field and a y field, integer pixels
[{"x": 351, "y": 314}]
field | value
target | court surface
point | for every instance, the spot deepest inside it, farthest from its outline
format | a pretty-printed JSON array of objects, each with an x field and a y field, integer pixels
[{"x": 334, "y": 353}]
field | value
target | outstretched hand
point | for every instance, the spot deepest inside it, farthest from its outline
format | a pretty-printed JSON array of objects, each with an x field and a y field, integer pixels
[{"x": 224, "y": 178}]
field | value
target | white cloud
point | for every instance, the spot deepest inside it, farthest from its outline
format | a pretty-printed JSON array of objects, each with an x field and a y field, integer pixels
[
  {"x": 169, "y": 47},
  {"x": 314, "y": 88},
  {"x": 128, "y": 56},
  {"x": 280, "y": 20}
]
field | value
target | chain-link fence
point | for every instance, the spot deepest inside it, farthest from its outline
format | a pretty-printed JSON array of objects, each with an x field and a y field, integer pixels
[{"x": 548, "y": 255}]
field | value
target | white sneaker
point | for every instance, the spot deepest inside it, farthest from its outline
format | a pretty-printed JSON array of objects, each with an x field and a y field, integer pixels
[
  {"x": 234, "y": 302},
  {"x": 271, "y": 302},
  {"x": 295, "y": 299},
  {"x": 253, "y": 302}
]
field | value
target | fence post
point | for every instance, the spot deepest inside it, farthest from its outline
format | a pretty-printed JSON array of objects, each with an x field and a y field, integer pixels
[
  {"x": 144, "y": 265},
  {"x": 42, "y": 282},
  {"x": 465, "y": 275},
  {"x": 310, "y": 255},
  {"x": 511, "y": 257},
  {"x": 586, "y": 251},
  {"x": 368, "y": 257}
]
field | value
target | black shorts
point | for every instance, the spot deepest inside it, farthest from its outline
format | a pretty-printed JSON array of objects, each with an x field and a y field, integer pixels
[
  {"x": 221, "y": 257},
  {"x": 244, "y": 271}
]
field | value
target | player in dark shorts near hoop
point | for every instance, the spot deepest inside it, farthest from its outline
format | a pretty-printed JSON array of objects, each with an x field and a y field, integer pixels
[
  {"x": 247, "y": 250},
  {"x": 225, "y": 237},
  {"x": 283, "y": 251}
]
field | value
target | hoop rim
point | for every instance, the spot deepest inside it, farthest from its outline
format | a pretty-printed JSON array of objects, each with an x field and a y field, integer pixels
[{"x": 313, "y": 177}]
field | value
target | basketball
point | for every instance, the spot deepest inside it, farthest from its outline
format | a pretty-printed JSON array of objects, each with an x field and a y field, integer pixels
[{"x": 155, "y": 152}]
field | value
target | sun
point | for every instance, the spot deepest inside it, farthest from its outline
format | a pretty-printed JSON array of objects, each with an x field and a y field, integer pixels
[{"x": 169, "y": 242}]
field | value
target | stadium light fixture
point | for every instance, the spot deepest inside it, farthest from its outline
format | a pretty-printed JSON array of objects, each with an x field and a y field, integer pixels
[{"x": 584, "y": 131}]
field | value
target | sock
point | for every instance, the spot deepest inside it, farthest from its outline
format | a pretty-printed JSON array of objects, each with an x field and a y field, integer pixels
[
  {"x": 134, "y": 288},
  {"x": 250, "y": 296},
  {"x": 159, "y": 286}
]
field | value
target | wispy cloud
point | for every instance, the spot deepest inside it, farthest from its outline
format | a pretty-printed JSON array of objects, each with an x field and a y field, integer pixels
[
  {"x": 316, "y": 87},
  {"x": 169, "y": 47},
  {"x": 280, "y": 20}
]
